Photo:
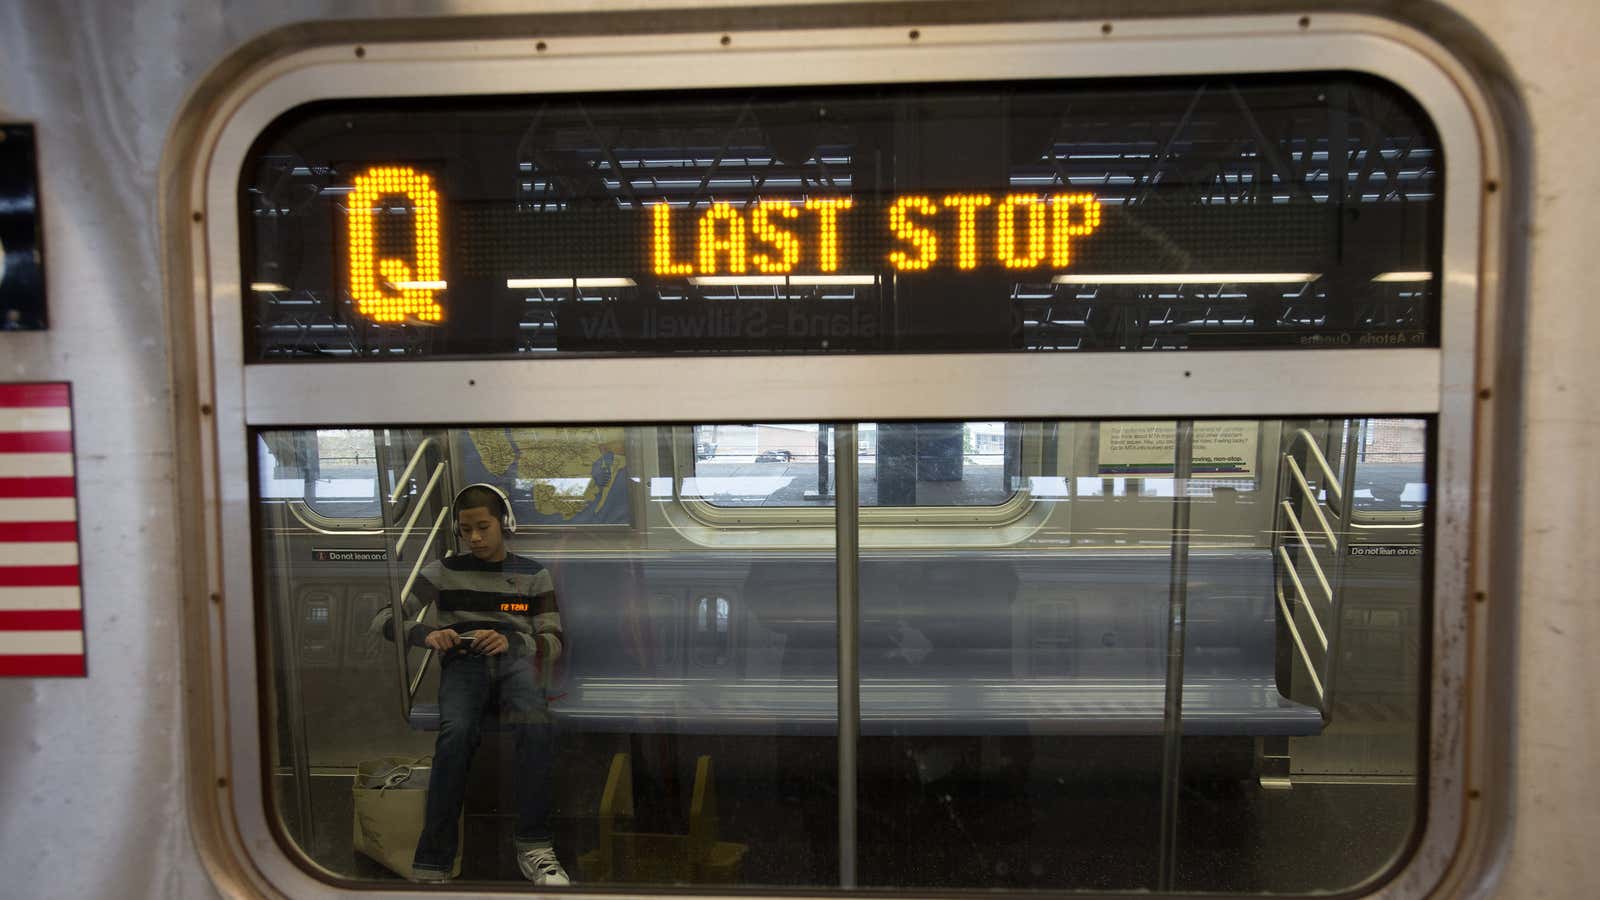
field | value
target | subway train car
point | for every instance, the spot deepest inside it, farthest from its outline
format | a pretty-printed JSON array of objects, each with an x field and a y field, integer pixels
[{"x": 942, "y": 448}]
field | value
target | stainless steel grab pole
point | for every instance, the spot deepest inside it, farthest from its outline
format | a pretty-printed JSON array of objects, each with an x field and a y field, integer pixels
[
  {"x": 1177, "y": 624},
  {"x": 847, "y": 545}
]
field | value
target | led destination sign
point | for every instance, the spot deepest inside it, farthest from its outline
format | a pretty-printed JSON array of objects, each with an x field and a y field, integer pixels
[
  {"x": 1026, "y": 232},
  {"x": 1180, "y": 213},
  {"x": 1030, "y": 230}
]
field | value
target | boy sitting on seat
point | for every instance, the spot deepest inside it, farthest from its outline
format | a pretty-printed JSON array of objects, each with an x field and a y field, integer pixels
[{"x": 498, "y": 634}]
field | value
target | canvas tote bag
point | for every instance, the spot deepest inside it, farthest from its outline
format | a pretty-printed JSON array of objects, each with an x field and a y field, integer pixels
[{"x": 390, "y": 795}]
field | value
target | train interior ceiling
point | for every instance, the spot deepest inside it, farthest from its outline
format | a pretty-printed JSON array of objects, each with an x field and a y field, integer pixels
[{"x": 1016, "y": 582}]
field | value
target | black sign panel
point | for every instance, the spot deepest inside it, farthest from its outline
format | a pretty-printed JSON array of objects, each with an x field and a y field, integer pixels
[
  {"x": 1299, "y": 211},
  {"x": 1385, "y": 550},
  {"x": 350, "y": 555},
  {"x": 22, "y": 306}
]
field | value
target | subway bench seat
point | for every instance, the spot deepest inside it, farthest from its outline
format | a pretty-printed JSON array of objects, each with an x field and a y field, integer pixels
[{"x": 953, "y": 644}]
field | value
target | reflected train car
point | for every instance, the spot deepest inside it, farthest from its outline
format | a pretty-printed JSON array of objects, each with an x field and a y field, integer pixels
[
  {"x": 973, "y": 449},
  {"x": 661, "y": 644},
  {"x": 692, "y": 635}
]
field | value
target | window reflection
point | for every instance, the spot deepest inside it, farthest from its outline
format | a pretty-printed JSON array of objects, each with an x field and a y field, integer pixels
[
  {"x": 1014, "y": 654},
  {"x": 933, "y": 464},
  {"x": 1390, "y": 470},
  {"x": 333, "y": 471}
]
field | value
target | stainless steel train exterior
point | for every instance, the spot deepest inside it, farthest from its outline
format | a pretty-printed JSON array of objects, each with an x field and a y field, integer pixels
[{"x": 129, "y": 782}]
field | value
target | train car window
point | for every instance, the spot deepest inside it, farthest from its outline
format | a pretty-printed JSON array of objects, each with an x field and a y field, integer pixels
[
  {"x": 334, "y": 472},
  {"x": 1021, "y": 700},
  {"x": 1390, "y": 467},
  {"x": 1030, "y": 216},
  {"x": 904, "y": 464}
]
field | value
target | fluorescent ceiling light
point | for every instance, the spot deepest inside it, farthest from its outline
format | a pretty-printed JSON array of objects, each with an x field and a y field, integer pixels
[
  {"x": 834, "y": 279},
  {"x": 780, "y": 280},
  {"x": 268, "y": 287},
  {"x": 1404, "y": 276},
  {"x": 739, "y": 280},
  {"x": 569, "y": 282},
  {"x": 1192, "y": 278}
]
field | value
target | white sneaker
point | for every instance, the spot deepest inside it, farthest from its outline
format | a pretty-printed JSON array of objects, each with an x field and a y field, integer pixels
[{"x": 540, "y": 865}]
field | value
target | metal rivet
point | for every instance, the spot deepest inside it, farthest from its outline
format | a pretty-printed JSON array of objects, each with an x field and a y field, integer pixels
[
  {"x": 222, "y": 783},
  {"x": 198, "y": 217},
  {"x": 1480, "y": 596},
  {"x": 205, "y": 409},
  {"x": 915, "y": 34},
  {"x": 361, "y": 52},
  {"x": 216, "y": 598},
  {"x": 1474, "y": 794},
  {"x": 726, "y": 40},
  {"x": 1491, "y": 186},
  {"x": 1483, "y": 394},
  {"x": 541, "y": 46},
  {"x": 1106, "y": 28},
  {"x": 1305, "y": 21}
]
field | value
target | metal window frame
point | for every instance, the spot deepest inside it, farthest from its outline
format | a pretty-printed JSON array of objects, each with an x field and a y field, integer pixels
[{"x": 220, "y": 398}]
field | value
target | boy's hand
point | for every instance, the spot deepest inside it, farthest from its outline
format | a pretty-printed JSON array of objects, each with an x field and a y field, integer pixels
[
  {"x": 490, "y": 642},
  {"x": 444, "y": 640}
]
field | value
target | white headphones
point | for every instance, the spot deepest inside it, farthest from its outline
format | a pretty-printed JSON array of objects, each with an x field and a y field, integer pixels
[{"x": 508, "y": 522}]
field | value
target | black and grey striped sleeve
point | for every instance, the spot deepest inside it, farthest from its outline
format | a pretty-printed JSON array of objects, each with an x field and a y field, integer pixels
[{"x": 424, "y": 594}]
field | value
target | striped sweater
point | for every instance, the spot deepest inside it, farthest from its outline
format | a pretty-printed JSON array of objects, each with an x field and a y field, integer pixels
[{"x": 515, "y": 596}]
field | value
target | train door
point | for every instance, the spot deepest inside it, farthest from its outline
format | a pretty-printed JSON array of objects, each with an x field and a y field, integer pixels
[{"x": 923, "y": 474}]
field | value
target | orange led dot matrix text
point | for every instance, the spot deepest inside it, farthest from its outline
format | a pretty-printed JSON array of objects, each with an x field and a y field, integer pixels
[
  {"x": 922, "y": 239},
  {"x": 828, "y": 229},
  {"x": 1036, "y": 230},
  {"x": 1018, "y": 231},
  {"x": 1062, "y": 229},
  {"x": 966, "y": 207},
  {"x": 404, "y": 292},
  {"x": 785, "y": 242},
  {"x": 661, "y": 243},
  {"x": 732, "y": 241}
]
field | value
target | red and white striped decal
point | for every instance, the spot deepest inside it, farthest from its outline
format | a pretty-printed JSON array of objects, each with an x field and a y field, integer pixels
[{"x": 41, "y": 601}]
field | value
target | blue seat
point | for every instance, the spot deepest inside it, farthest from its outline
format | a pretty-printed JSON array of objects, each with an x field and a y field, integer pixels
[
  {"x": 953, "y": 644},
  {"x": 1030, "y": 706}
]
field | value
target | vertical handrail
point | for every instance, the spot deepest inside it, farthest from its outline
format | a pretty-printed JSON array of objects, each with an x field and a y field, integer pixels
[
  {"x": 1177, "y": 627},
  {"x": 1340, "y": 492},
  {"x": 1300, "y": 592},
  {"x": 1352, "y": 445},
  {"x": 288, "y": 633},
  {"x": 847, "y": 544},
  {"x": 1316, "y": 505},
  {"x": 1305, "y": 656},
  {"x": 1311, "y": 550},
  {"x": 406, "y": 682},
  {"x": 416, "y": 513},
  {"x": 1328, "y": 478},
  {"x": 411, "y": 466}
]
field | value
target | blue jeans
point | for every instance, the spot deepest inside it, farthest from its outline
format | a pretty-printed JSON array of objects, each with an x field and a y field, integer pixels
[{"x": 467, "y": 684}]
